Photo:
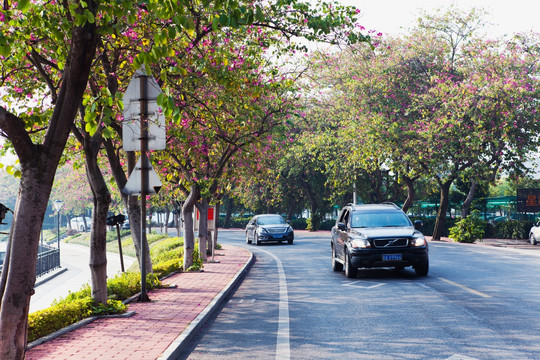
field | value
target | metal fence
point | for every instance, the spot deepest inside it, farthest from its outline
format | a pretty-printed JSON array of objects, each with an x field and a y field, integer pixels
[{"x": 48, "y": 259}]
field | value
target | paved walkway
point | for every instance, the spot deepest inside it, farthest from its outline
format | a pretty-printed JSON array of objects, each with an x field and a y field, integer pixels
[{"x": 158, "y": 329}]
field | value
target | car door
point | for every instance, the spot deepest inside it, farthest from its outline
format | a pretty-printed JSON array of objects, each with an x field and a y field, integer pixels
[
  {"x": 342, "y": 235},
  {"x": 250, "y": 229}
]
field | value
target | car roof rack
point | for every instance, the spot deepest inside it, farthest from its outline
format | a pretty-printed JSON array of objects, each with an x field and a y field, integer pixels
[{"x": 390, "y": 203}]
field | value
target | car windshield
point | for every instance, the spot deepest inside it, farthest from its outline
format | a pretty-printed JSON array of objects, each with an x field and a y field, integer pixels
[
  {"x": 270, "y": 220},
  {"x": 380, "y": 219}
]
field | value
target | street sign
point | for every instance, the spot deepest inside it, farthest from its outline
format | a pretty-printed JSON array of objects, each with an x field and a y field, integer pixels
[
  {"x": 211, "y": 217},
  {"x": 131, "y": 127},
  {"x": 133, "y": 185},
  {"x": 528, "y": 200}
]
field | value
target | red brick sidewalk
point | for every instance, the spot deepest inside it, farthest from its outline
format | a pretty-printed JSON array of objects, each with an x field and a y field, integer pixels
[{"x": 158, "y": 328}]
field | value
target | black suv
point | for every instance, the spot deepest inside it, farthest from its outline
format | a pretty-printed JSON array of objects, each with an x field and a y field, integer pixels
[{"x": 378, "y": 235}]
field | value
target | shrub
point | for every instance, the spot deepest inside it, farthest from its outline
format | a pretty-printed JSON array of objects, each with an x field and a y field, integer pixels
[
  {"x": 165, "y": 268},
  {"x": 513, "y": 229},
  {"x": 299, "y": 224},
  {"x": 46, "y": 321},
  {"x": 468, "y": 230},
  {"x": 56, "y": 317},
  {"x": 327, "y": 224}
]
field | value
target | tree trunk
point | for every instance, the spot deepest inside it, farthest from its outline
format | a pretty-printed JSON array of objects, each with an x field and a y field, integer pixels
[
  {"x": 167, "y": 217},
  {"x": 466, "y": 206},
  {"x": 314, "y": 216},
  {"x": 189, "y": 236},
  {"x": 19, "y": 269},
  {"x": 411, "y": 193},
  {"x": 443, "y": 207},
  {"x": 227, "y": 224},
  {"x": 38, "y": 167},
  {"x": 98, "y": 234},
  {"x": 202, "y": 206}
]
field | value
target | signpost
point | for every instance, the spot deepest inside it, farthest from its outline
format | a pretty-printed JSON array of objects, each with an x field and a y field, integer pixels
[{"x": 140, "y": 105}]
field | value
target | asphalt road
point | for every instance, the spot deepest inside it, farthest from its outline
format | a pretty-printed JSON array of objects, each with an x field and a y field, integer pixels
[
  {"x": 74, "y": 273},
  {"x": 477, "y": 302}
]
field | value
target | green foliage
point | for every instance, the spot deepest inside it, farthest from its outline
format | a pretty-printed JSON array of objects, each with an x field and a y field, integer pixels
[
  {"x": 513, "y": 229},
  {"x": 327, "y": 224},
  {"x": 56, "y": 317},
  {"x": 167, "y": 267},
  {"x": 197, "y": 261},
  {"x": 469, "y": 229},
  {"x": 429, "y": 225},
  {"x": 299, "y": 224},
  {"x": 44, "y": 322}
]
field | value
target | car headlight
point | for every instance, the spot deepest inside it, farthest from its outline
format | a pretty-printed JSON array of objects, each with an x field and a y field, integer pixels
[
  {"x": 418, "y": 240},
  {"x": 360, "y": 244},
  {"x": 290, "y": 229},
  {"x": 263, "y": 230}
]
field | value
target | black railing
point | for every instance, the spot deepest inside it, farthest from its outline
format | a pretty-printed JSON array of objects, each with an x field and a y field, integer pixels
[{"x": 48, "y": 259}]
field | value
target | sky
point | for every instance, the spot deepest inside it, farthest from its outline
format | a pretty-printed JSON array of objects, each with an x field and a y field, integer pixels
[{"x": 396, "y": 16}]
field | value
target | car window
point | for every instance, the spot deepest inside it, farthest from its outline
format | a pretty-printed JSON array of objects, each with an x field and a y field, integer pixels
[
  {"x": 271, "y": 220},
  {"x": 344, "y": 216},
  {"x": 379, "y": 219}
]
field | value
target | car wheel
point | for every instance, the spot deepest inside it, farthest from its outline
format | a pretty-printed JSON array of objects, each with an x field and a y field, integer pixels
[
  {"x": 257, "y": 241},
  {"x": 247, "y": 239},
  {"x": 350, "y": 271},
  {"x": 290, "y": 241},
  {"x": 532, "y": 239},
  {"x": 422, "y": 269},
  {"x": 336, "y": 266}
]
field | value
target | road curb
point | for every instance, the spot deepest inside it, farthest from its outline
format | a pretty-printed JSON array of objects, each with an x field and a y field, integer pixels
[{"x": 181, "y": 342}]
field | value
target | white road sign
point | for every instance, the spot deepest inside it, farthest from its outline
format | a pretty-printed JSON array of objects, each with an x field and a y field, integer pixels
[{"x": 131, "y": 126}]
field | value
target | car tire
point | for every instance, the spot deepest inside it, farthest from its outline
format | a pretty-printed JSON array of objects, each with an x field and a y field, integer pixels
[
  {"x": 256, "y": 239},
  {"x": 422, "y": 269},
  {"x": 290, "y": 241},
  {"x": 350, "y": 271},
  {"x": 532, "y": 239},
  {"x": 247, "y": 239},
  {"x": 336, "y": 266}
]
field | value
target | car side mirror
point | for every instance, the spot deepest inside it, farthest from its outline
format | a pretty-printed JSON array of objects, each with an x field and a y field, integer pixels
[
  {"x": 341, "y": 226},
  {"x": 418, "y": 224}
]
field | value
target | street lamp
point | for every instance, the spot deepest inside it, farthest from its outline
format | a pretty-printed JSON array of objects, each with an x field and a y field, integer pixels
[{"x": 58, "y": 205}]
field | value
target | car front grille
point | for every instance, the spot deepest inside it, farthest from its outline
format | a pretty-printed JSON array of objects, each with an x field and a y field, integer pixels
[
  {"x": 276, "y": 230},
  {"x": 391, "y": 243}
]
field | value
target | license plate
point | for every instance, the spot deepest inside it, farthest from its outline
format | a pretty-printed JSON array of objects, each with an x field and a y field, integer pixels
[{"x": 391, "y": 257}]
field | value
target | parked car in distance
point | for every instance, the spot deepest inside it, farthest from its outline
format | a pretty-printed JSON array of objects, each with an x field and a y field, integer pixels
[
  {"x": 377, "y": 235},
  {"x": 268, "y": 227},
  {"x": 534, "y": 233},
  {"x": 79, "y": 225}
]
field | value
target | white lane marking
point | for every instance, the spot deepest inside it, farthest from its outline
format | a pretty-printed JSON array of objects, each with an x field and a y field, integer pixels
[
  {"x": 362, "y": 286},
  {"x": 283, "y": 344},
  {"x": 472, "y": 291},
  {"x": 460, "y": 357}
]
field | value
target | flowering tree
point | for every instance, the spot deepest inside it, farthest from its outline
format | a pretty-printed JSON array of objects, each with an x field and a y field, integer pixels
[
  {"x": 436, "y": 103},
  {"x": 34, "y": 64}
]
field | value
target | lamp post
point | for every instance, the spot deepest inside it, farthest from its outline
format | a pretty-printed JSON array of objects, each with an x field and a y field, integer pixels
[{"x": 58, "y": 205}]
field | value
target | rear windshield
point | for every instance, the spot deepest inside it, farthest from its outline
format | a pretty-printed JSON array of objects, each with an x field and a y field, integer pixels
[{"x": 380, "y": 219}]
